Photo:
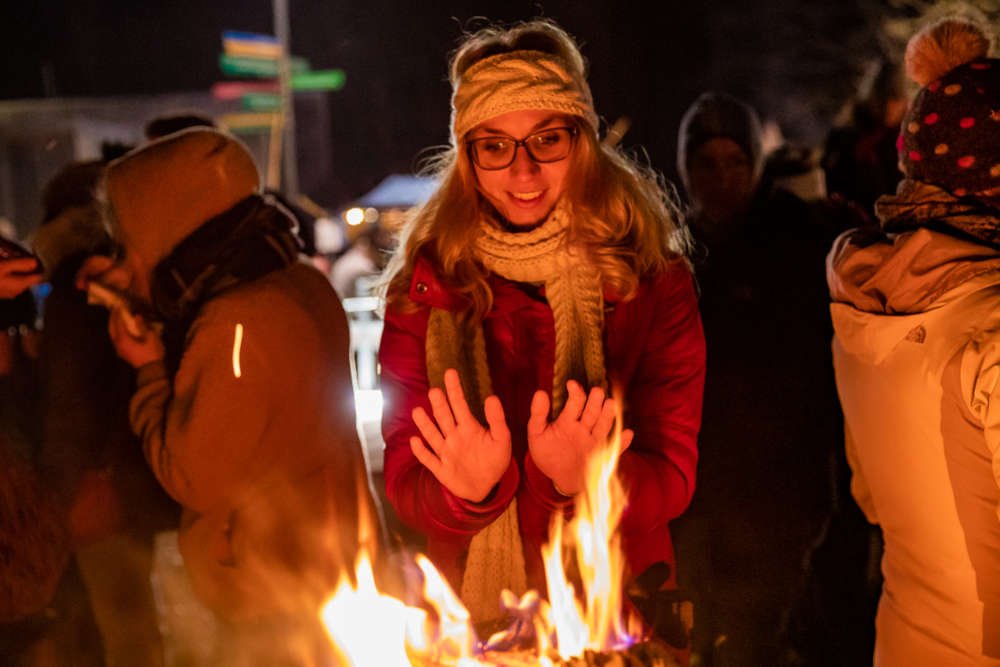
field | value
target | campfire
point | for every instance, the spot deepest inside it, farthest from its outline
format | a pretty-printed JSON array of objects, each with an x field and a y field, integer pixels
[{"x": 572, "y": 627}]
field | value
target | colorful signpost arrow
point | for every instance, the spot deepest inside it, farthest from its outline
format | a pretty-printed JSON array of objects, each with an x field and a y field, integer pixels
[{"x": 257, "y": 56}]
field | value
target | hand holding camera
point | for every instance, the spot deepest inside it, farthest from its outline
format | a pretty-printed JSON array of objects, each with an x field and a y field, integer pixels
[{"x": 19, "y": 269}]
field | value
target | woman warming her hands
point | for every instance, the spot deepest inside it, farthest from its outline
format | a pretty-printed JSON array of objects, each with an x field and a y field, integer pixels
[{"x": 547, "y": 270}]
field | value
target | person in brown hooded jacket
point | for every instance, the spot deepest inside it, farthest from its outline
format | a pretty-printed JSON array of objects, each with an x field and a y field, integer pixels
[{"x": 244, "y": 404}]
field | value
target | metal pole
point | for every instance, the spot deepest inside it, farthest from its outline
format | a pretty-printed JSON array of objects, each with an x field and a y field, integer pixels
[{"x": 289, "y": 154}]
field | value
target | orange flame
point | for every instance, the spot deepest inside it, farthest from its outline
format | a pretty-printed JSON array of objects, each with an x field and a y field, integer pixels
[
  {"x": 371, "y": 628},
  {"x": 593, "y": 536}
]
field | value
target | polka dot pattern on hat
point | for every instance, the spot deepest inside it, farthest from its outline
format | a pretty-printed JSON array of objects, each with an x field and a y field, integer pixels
[{"x": 949, "y": 135}]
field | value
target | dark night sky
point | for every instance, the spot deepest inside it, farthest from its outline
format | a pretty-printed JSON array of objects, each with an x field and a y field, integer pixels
[{"x": 790, "y": 58}]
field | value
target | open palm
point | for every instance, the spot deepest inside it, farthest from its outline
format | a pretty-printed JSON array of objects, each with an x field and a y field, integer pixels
[
  {"x": 466, "y": 457},
  {"x": 560, "y": 448}
]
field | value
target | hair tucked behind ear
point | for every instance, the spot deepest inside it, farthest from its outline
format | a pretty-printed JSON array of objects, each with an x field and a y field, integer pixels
[
  {"x": 625, "y": 215},
  {"x": 622, "y": 212}
]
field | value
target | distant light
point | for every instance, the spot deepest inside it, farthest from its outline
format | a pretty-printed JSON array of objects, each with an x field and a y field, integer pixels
[
  {"x": 368, "y": 403},
  {"x": 371, "y": 215},
  {"x": 354, "y": 216}
]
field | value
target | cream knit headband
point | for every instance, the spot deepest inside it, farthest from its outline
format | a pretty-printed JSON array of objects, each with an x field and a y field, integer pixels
[{"x": 516, "y": 81}]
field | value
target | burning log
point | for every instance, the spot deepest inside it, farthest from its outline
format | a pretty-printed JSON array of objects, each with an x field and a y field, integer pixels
[{"x": 645, "y": 654}]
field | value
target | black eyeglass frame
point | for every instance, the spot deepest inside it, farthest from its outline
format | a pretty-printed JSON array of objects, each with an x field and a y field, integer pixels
[{"x": 518, "y": 143}]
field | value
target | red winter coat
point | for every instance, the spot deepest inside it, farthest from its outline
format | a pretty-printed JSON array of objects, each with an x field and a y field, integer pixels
[{"x": 654, "y": 347}]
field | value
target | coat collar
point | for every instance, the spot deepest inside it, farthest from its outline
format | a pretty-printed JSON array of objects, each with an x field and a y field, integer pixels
[{"x": 427, "y": 289}]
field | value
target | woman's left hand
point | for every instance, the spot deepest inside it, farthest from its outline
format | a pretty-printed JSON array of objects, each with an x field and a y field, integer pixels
[{"x": 562, "y": 447}]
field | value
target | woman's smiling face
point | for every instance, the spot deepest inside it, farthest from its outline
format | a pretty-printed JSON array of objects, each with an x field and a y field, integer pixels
[{"x": 525, "y": 191}]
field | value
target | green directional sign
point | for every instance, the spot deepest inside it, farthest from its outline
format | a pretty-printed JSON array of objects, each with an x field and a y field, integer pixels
[
  {"x": 266, "y": 68},
  {"x": 267, "y": 101},
  {"x": 323, "y": 79},
  {"x": 260, "y": 101}
]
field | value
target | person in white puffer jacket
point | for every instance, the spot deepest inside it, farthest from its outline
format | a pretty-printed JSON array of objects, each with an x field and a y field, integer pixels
[{"x": 916, "y": 314}]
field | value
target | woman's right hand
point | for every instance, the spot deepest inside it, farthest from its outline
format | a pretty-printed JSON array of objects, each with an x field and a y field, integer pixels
[{"x": 465, "y": 457}]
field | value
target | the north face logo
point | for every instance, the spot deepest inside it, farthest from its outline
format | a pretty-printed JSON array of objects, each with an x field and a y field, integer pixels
[{"x": 917, "y": 334}]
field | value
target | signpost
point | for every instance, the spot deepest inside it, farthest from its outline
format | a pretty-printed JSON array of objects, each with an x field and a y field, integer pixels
[
  {"x": 266, "y": 68},
  {"x": 267, "y": 101}
]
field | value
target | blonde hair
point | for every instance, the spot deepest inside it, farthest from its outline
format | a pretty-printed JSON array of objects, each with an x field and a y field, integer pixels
[{"x": 622, "y": 213}]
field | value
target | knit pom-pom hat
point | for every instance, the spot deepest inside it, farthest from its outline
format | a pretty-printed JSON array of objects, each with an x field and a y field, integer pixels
[{"x": 949, "y": 137}]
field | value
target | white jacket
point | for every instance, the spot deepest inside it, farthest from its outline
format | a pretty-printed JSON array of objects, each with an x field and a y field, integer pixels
[{"x": 917, "y": 360}]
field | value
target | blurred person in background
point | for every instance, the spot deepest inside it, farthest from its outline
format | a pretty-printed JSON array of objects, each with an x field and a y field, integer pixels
[
  {"x": 168, "y": 123},
  {"x": 243, "y": 404},
  {"x": 88, "y": 452},
  {"x": 45, "y": 616},
  {"x": 916, "y": 310},
  {"x": 770, "y": 419},
  {"x": 859, "y": 154},
  {"x": 355, "y": 270},
  {"x": 546, "y": 272}
]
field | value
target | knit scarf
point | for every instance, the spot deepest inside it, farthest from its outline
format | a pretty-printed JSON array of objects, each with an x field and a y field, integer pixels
[
  {"x": 918, "y": 204},
  {"x": 247, "y": 241},
  {"x": 541, "y": 257}
]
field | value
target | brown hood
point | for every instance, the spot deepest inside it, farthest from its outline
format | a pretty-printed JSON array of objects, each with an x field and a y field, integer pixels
[
  {"x": 905, "y": 273},
  {"x": 160, "y": 193}
]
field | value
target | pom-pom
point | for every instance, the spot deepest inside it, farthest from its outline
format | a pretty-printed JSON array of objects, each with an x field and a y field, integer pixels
[{"x": 943, "y": 46}]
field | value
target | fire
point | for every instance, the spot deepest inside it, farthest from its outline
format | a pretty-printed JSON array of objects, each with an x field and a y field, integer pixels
[
  {"x": 370, "y": 628},
  {"x": 354, "y": 611},
  {"x": 593, "y": 535}
]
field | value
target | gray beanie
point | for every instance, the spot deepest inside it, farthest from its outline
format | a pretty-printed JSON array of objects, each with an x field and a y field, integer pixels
[{"x": 713, "y": 115}]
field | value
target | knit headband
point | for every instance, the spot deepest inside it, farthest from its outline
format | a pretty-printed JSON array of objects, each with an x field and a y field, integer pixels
[{"x": 517, "y": 81}]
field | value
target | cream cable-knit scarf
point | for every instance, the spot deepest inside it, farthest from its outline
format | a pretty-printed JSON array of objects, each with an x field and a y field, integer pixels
[{"x": 573, "y": 290}]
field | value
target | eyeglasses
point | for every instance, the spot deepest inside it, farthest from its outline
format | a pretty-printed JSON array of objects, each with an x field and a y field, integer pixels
[{"x": 498, "y": 152}]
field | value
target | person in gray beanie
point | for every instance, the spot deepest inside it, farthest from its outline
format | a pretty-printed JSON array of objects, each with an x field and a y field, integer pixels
[
  {"x": 770, "y": 413},
  {"x": 719, "y": 156}
]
